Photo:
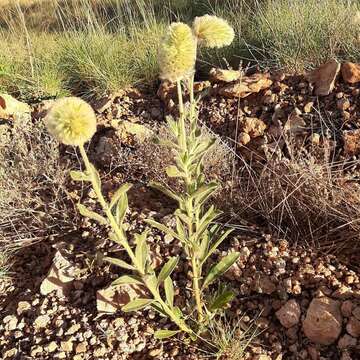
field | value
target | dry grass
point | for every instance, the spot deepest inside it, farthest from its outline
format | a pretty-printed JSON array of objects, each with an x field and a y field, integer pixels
[
  {"x": 31, "y": 186},
  {"x": 307, "y": 197}
]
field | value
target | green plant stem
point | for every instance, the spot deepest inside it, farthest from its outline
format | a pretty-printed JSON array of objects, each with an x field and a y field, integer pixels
[
  {"x": 196, "y": 289},
  {"x": 118, "y": 231},
  {"x": 120, "y": 235}
]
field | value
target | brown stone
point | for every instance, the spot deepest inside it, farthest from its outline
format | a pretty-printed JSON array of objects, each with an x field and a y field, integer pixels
[
  {"x": 324, "y": 77},
  {"x": 223, "y": 75},
  {"x": 351, "y": 140},
  {"x": 323, "y": 322},
  {"x": 289, "y": 314},
  {"x": 346, "y": 341},
  {"x": 346, "y": 308},
  {"x": 244, "y": 138},
  {"x": 353, "y": 327},
  {"x": 246, "y": 86},
  {"x": 350, "y": 72},
  {"x": 254, "y": 127}
]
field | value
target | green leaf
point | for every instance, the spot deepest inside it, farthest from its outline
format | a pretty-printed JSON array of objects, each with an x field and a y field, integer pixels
[
  {"x": 169, "y": 291},
  {"x": 96, "y": 176},
  {"x": 136, "y": 304},
  {"x": 79, "y": 176},
  {"x": 128, "y": 280},
  {"x": 164, "y": 334},
  {"x": 166, "y": 191},
  {"x": 165, "y": 229},
  {"x": 157, "y": 307},
  {"x": 220, "y": 268},
  {"x": 119, "y": 193},
  {"x": 221, "y": 300},
  {"x": 121, "y": 208},
  {"x": 119, "y": 262},
  {"x": 84, "y": 211},
  {"x": 151, "y": 282},
  {"x": 204, "y": 192},
  {"x": 173, "y": 171},
  {"x": 141, "y": 250},
  {"x": 168, "y": 268},
  {"x": 215, "y": 245}
]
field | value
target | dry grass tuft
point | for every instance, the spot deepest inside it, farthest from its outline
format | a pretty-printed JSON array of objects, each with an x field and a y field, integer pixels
[
  {"x": 308, "y": 198},
  {"x": 32, "y": 196}
]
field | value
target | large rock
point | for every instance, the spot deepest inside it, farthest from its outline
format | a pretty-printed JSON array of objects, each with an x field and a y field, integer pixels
[
  {"x": 246, "y": 86},
  {"x": 350, "y": 72},
  {"x": 289, "y": 314},
  {"x": 324, "y": 77},
  {"x": 323, "y": 322}
]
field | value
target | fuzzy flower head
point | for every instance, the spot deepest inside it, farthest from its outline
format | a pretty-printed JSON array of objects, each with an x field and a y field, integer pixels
[
  {"x": 213, "y": 32},
  {"x": 72, "y": 121},
  {"x": 177, "y": 52}
]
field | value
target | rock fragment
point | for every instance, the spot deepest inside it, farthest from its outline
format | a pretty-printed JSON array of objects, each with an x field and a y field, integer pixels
[
  {"x": 246, "y": 86},
  {"x": 350, "y": 72},
  {"x": 224, "y": 75},
  {"x": 323, "y": 322},
  {"x": 324, "y": 77},
  {"x": 289, "y": 314}
]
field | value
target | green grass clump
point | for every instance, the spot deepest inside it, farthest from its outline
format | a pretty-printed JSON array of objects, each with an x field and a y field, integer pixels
[
  {"x": 98, "y": 62},
  {"x": 91, "y": 47},
  {"x": 299, "y": 34}
]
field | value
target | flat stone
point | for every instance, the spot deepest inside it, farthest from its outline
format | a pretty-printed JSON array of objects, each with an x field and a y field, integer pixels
[
  {"x": 113, "y": 298},
  {"x": 246, "y": 86},
  {"x": 323, "y": 322},
  {"x": 324, "y": 77},
  {"x": 60, "y": 277},
  {"x": 224, "y": 75}
]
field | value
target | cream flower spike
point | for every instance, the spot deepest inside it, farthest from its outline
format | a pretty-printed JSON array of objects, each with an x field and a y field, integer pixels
[
  {"x": 213, "y": 32},
  {"x": 72, "y": 121},
  {"x": 177, "y": 53}
]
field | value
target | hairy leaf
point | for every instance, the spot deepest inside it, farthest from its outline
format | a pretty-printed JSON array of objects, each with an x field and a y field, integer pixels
[
  {"x": 136, "y": 304},
  {"x": 164, "y": 334},
  {"x": 221, "y": 300},
  {"x": 168, "y": 268},
  {"x": 173, "y": 171},
  {"x": 119, "y": 193},
  {"x": 121, "y": 208},
  {"x": 166, "y": 191},
  {"x": 220, "y": 268},
  {"x": 215, "y": 245},
  {"x": 128, "y": 280},
  {"x": 141, "y": 250},
  {"x": 165, "y": 229},
  {"x": 79, "y": 176},
  {"x": 119, "y": 262},
  {"x": 169, "y": 291},
  {"x": 84, "y": 211}
]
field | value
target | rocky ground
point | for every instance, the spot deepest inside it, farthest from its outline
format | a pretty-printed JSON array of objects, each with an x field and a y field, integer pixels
[{"x": 304, "y": 302}]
